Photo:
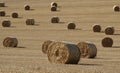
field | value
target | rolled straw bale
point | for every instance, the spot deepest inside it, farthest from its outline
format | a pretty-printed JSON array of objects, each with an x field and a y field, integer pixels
[
  {"x": 45, "y": 46},
  {"x": 2, "y": 4},
  {"x": 109, "y": 30},
  {"x": 6, "y": 23},
  {"x": 64, "y": 53},
  {"x": 30, "y": 22},
  {"x": 14, "y": 15},
  {"x": 71, "y": 26},
  {"x": 107, "y": 42},
  {"x": 116, "y": 8},
  {"x": 54, "y": 4},
  {"x": 2, "y": 13},
  {"x": 26, "y": 7},
  {"x": 55, "y": 19},
  {"x": 96, "y": 28},
  {"x": 10, "y": 42},
  {"x": 53, "y": 8},
  {"x": 88, "y": 49}
]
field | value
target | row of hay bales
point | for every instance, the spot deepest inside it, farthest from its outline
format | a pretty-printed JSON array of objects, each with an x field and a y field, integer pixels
[
  {"x": 68, "y": 53},
  {"x": 13, "y": 15},
  {"x": 26, "y": 7},
  {"x": 7, "y": 23},
  {"x": 60, "y": 52},
  {"x": 109, "y": 30}
]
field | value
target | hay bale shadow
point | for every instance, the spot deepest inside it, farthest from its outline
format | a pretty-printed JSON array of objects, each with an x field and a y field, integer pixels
[
  {"x": 115, "y": 47},
  {"x": 4, "y": 7},
  {"x": 90, "y": 64},
  {"x": 61, "y": 22},
  {"x": 34, "y": 25},
  {"x": 56, "y": 11},
  {"x": 21, "y": 47},
  {"x": 20, "y": 17},
  {"x": 78, "y": 29},
  {"x": 31, "y": 9}
]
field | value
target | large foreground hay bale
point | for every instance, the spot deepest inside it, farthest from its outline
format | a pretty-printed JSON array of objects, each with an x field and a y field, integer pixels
[
  {"x": 14, "y": 15},
  {"x": 54, "y": 4},
  {"x": 88, "y": 49},
  {"x": 64, "y": 53},
  {"x": 71, "y": 26},
  {"x": 45, "y": 46},
  {"x": 109, "y": 30},
  {"x": 30, "y": 22},
  {"x": 55, "y": 19},
  {"x": 2, "y": 13},
  {"x": 10, "y": 42},
  {"x": 107, "y": 42},
  {"x": 53, "y": 8},
  {"x": 26, "y": 7},
  {"x": 116, "y": 8},
  {"x": 6, "y": 23},
  {"x": 96, "y": 28},
  {"x": 2, "y": 4}
]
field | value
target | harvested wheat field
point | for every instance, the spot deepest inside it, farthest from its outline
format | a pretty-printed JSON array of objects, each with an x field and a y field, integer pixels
[{"x": 28, "y": 57}]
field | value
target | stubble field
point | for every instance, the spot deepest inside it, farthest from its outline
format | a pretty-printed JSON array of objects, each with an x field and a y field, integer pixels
[{"x": 28, "y": 56}]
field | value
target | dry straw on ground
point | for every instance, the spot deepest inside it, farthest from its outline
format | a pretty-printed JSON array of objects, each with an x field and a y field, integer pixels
[
  {"x": 64, "y": 53},
  {"x": 71, "y": 26},
  {"x": 26, "y": 7},
  {"x": 14, "y": 15},
  {"x": 116, "y": 8},
  {"x": 45, "y": 46},
  {"x": 10, "y": 42},
  {"x": 96, "y": 28},
  {"x": 30, "y": 22},
  {"x": 2, "y": 13},
  {"x": 55, "y": 19},
  {"x": 2, "y": 4},
  {"x": 109, "y": 30},
  {"x": 6, "y": 23},
  {"x": 107, "y": 42},
  {"x": 88, "y": 49},
  {"x": 53, "y": 8},
  {"x": 54, "y": 4}
]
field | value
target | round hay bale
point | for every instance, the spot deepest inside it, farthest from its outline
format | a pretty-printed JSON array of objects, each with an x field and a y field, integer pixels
[
  {"x": 2, "y": 13},
  {"x": 71, "y": 26},
  {"x": 54, "y": 4},
  {"x": 109, "y": 30},
  {"x": 63, "y": 53},
  {"x": 116, "y": 8},
  {"x": 10, "y": 42},
  {"x": 14, "y": 15},
  {"x": 88, "y": 49},
  {"x": 53, "y": 8},
  {"x": 46, "y": 45},
  {"x": 96, "y": 28},
  {"x": 107, "y": 42},
  {"x": 30, "y": 22},
  {"x": 2, "y": 4},
  {"x": 55, "y": 19},
  {"x": 6, "y": 23},
  {"x": 26, "y": 7}
]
